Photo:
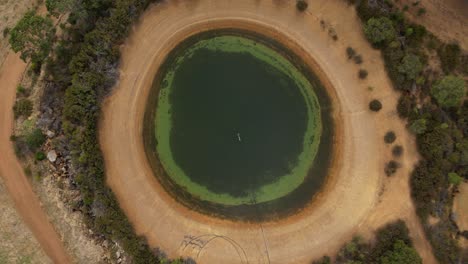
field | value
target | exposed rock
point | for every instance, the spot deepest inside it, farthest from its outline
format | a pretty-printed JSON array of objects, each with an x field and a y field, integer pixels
[
  {"x": 50, "y": 134},
  {"x": 52, "y": 156}
]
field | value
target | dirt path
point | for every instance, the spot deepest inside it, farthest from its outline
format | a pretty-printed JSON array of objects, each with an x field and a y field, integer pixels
[
  {"x": 351, "y": 202},
  {"x": 15, "y": 180}
]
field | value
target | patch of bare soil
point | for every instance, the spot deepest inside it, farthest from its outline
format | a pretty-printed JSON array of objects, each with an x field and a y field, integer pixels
[
  {"x": 460, "y": 208},
  {"x": 358, "y": 197},
  {"x": 17, "y": 243},
  {"x": 447, "y": 19},
  {"x": 70, "y": 225}
]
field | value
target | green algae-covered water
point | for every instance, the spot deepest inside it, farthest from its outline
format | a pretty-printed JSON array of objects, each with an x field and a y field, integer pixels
[{"x": 236, "y": 123}]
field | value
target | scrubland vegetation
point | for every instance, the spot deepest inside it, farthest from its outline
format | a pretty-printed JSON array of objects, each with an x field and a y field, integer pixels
[
  {"x": 392, "y": 246},
  {"x": 80, "y": 70},
  {"x": 434, "y": 105}
]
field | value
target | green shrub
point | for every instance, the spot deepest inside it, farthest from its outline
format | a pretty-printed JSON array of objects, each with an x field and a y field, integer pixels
[
  {"x": 449, "y": 56},
  {"x": 410, "y": 66},
  {"x": 6, "y": 31},
  {"x": 379, "y": 30},
  {"x": 350, "y": 52},
  {"x": 404, "y": 106},
  {"x": 301, "y": 5},
  {"x": 358, "y": 59},
  {"x": 449, "y": 91},
  {"x": 375, "y": 105},
  {"x": 32, "y": 36},
  {"x": 389, "y": 137},
  {"x": 391, "y": 167},
  {"x": 418, "y": 126},
  {"x": 324, "y": 260},
  {"x": 35, "y": 139},
  {"x": 362, "y": 74},
  {"x": 21, "y": 90},
  {"x": 397, "y": 151},
  {"x": 40, "y": 156},
  {"x": 23, "y": 107},
  {"x": 454, "y": 178},
  {"x": 421, "y": 11},
  {"x": 401, "y": 254}
]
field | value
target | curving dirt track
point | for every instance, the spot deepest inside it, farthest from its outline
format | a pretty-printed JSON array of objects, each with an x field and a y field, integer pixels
[
  {"x": 16, "y": 182},
  {"x": 352, "y": 200}
]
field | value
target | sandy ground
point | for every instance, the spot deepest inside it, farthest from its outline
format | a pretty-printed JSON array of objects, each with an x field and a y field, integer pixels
[
  {"x": 15, "y": 180},
  {"x": 460, "y": 207},
  {"x": 69, "y": 225},
  {"x": 17, "y": 243},
  {"x": 357, "y": 198},
  {"x": 447, "y": 19}
]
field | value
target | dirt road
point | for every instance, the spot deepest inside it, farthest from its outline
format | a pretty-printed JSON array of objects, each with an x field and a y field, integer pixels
[
  {"x": 15, "y": 180},
  {"x": 351, "y": 202}
]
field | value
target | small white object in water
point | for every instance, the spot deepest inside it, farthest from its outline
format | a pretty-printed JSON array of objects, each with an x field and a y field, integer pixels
[{"x": 238, "y": 137}]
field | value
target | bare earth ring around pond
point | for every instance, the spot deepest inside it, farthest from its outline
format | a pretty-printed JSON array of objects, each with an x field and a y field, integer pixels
[{"x": 353, "y": 183}]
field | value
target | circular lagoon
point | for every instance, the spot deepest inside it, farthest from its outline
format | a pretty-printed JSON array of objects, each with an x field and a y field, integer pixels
[{"x": 238, "y": 127}]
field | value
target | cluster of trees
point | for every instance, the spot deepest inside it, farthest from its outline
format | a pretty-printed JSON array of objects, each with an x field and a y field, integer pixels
[
  {"x": 33, "y": 37},
  {"x": 435, "y": 107},
  {"x": 79, "y": 74},
  {"x": 392, "y": 246}
]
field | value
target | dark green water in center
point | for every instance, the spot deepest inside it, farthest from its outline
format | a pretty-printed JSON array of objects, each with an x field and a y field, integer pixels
[
  {"x": 237, "y": 126},
  {"x": 238, "y": 123}
]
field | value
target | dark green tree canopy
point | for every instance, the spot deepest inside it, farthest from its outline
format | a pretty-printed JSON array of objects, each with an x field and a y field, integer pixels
[
  {"x": 410, "y": 66},
  {"x": 32, "y": 36},
  {"x": 449, "y": 91},
  {"x": 57, "y": 7},
  {"x": 380, "y": 29},
  {"x": 401, "y": 254}
]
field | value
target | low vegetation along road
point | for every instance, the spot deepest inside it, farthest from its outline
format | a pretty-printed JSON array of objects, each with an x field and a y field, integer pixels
[{"x": 17, "y": 184}]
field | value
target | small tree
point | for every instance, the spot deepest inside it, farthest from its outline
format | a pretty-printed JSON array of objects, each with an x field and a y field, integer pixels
[
  {"x": 391, "y": 167},
  {"x": 301, "y": 5},
  {"x": 32, "y": 36},
  {"x": 379, "y": 30},
  {"x": 23, "y": 107},
  {"x": 397, "y": 151},
  {"x": 410, "y": 66},
  {"x": 449, "y": 91},
  {"x": 350, "y": 52},
  {"x": 418, "y": 126},
  {"x": 454, "y": 178},
  {"x": 57, "y": 7},
  {"x": 358, "y": 59},
  {"x": 390, "y": 137},
  {"x": 362, "y": 74},
  {"x": 35, "y": 139},
  {"x": 375, "y": 105},
  {"x": 401, "y": 254}
]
